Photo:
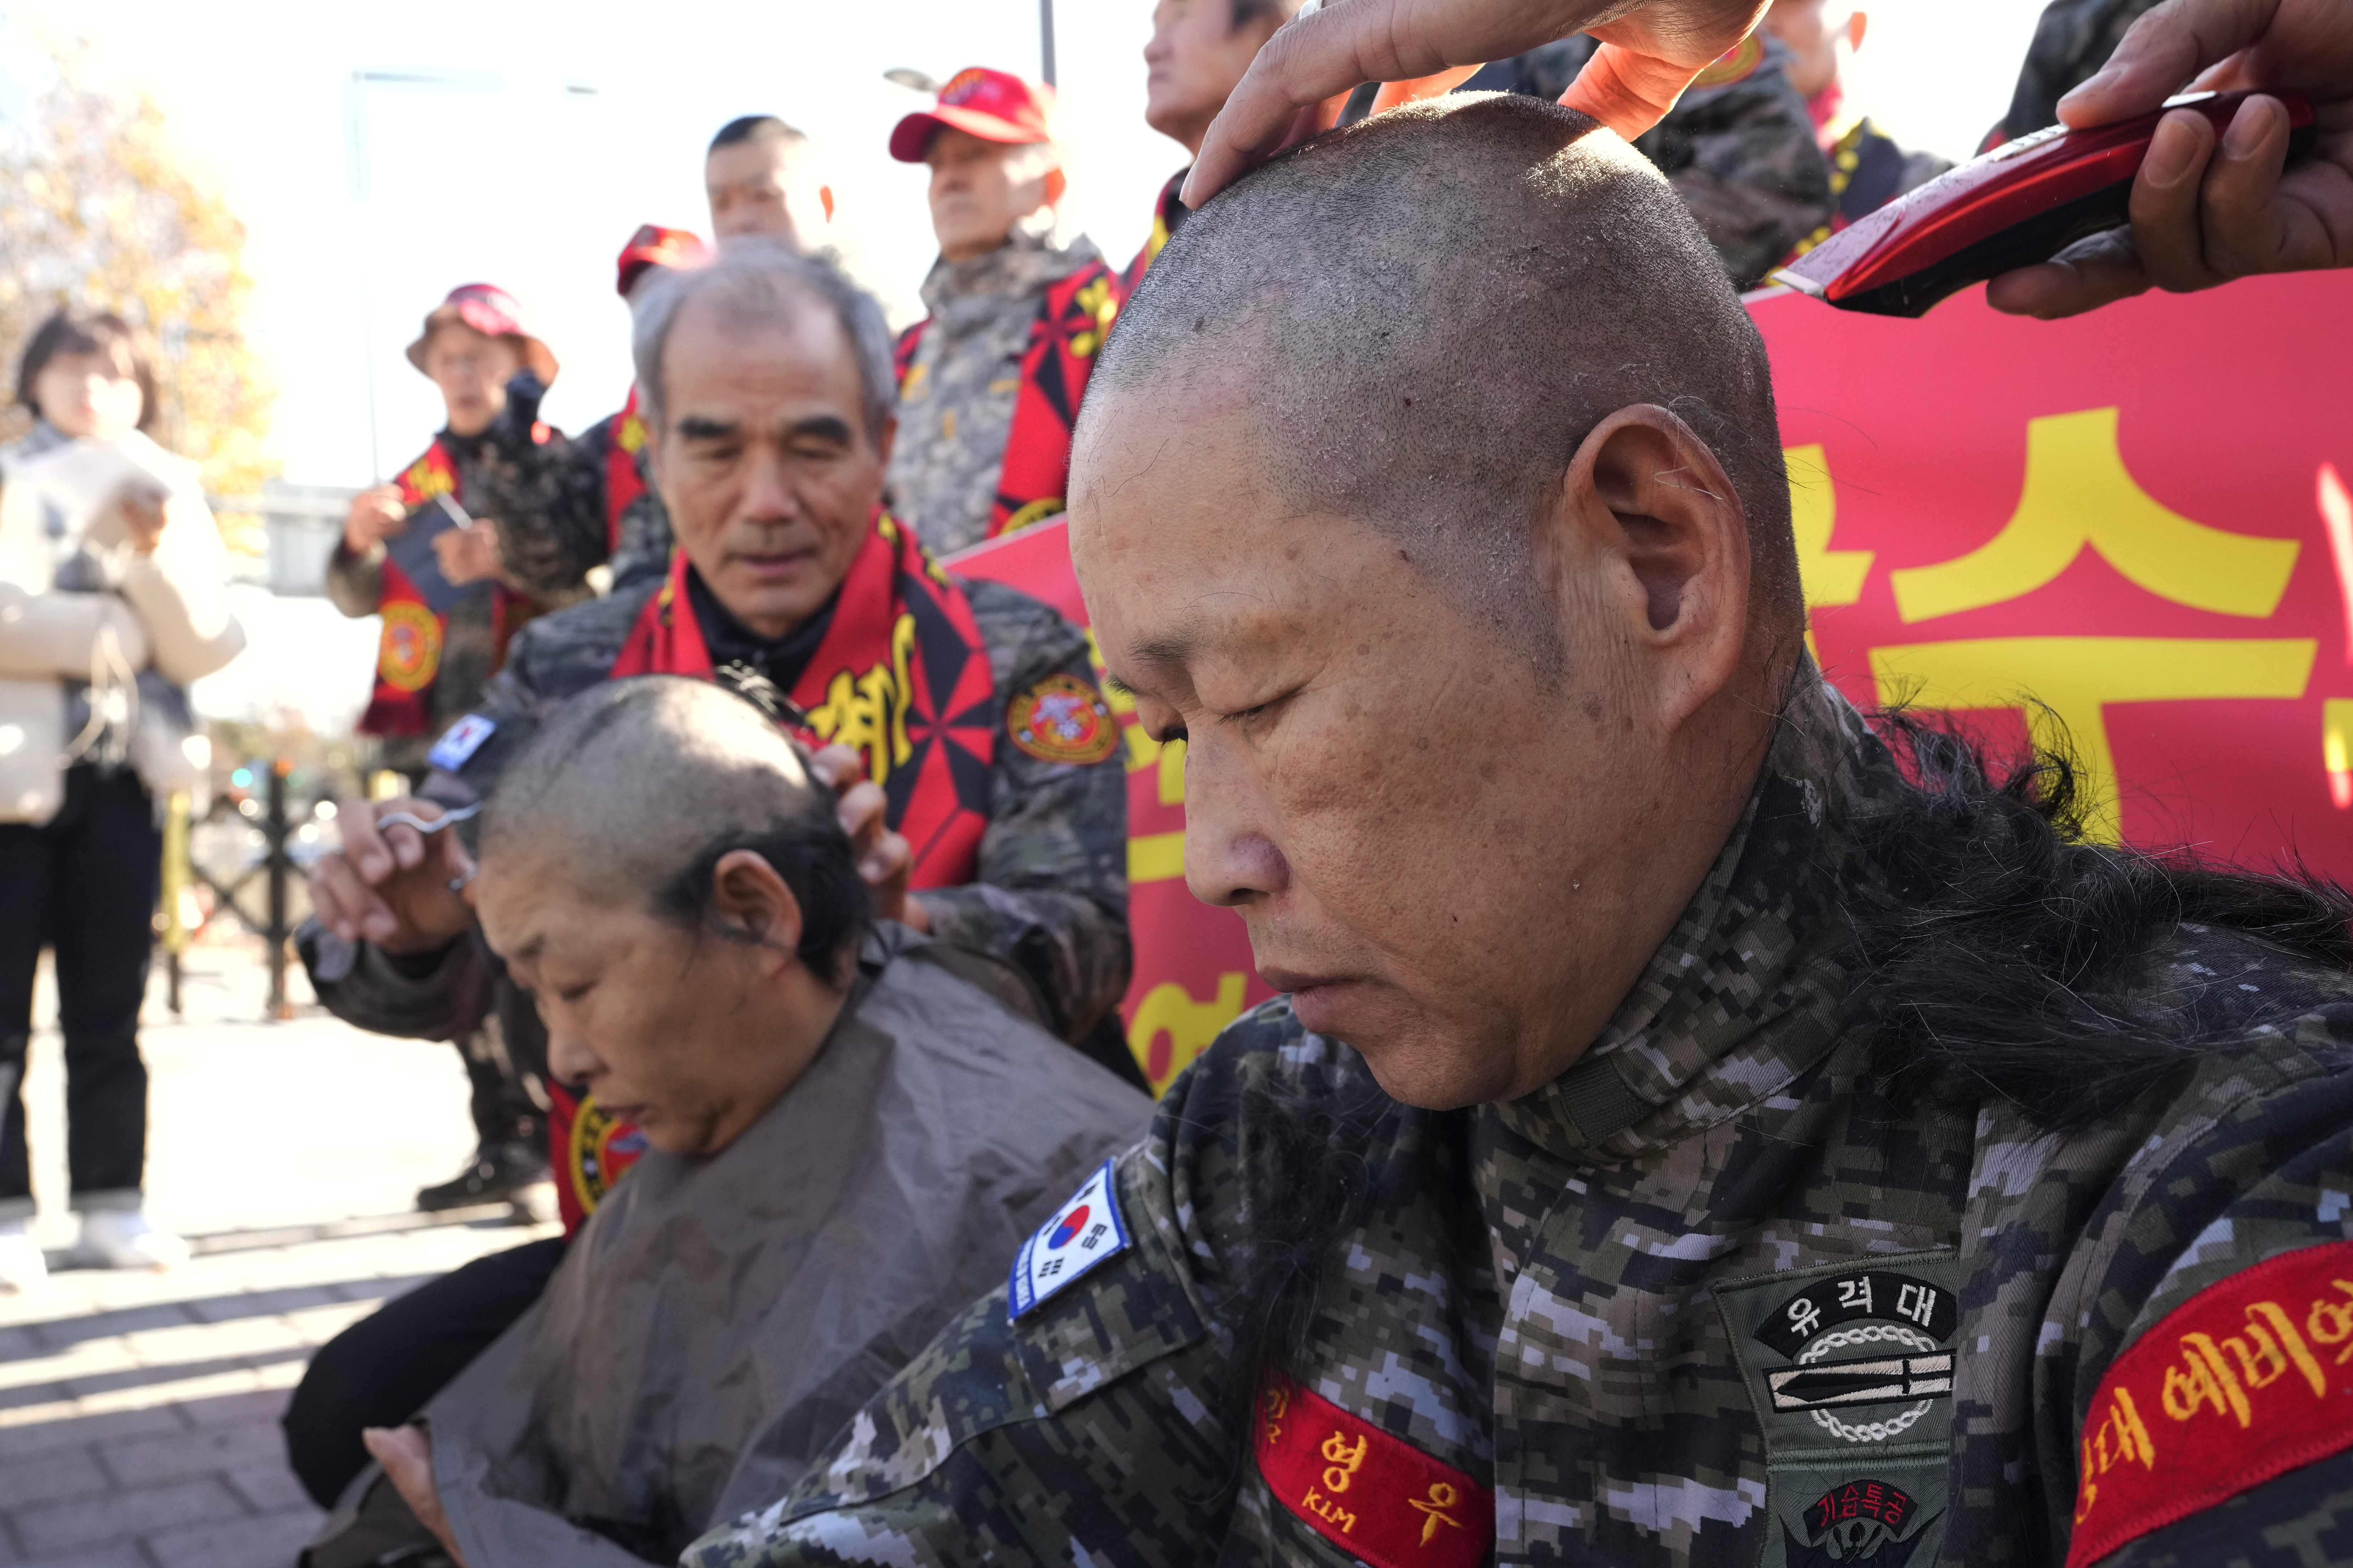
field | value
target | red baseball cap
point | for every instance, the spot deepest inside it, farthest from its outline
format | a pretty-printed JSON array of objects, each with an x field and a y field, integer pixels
[
  {"x": 654, "y": 245},
  {"x": 996, "y": 105},
  {"x": 492, "y": 311}
]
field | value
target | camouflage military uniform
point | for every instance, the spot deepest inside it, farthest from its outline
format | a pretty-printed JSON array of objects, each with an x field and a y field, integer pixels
[
  {"x": 1051, "y": 895},
  {"x": 957, "y": 396},
  {"x": 1711, "y": 1297},
  {"x": 2072, "y": 40},
  {"x": 1738, "y": 147}
]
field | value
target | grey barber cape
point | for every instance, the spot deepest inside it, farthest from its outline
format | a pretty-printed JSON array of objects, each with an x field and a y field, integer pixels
[{"x": 718, "y": 1320}]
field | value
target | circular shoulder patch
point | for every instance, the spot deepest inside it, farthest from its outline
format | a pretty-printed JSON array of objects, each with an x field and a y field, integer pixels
[
  {"x": 1062, "y": 719},
  {"x": 598, "y": 1152},
  {"x": 411, "y": 650},
  {"x": 1737, "y": 63}
]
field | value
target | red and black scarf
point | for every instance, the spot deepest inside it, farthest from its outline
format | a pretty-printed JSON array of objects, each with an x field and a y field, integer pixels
[
  {"x": 901, "y": 674},
  {"x": 1072, "y": 321}
]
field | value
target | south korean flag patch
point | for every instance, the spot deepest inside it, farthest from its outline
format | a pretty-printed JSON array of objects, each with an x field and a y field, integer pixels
[
  {"x": 460, "y": 742},
  {"x": 1084, "y": 1232}
]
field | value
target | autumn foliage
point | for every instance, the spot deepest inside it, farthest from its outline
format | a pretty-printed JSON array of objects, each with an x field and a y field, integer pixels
[{"x": 98, "y": 205}]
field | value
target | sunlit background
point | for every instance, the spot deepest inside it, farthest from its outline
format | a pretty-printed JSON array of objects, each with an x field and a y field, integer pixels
[
  {"x": 376, "y": 155},
  {"x": 532, "y": 139}
]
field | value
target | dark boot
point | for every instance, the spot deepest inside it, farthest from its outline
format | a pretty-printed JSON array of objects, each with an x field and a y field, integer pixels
[{"x": 498, "y": 1173}]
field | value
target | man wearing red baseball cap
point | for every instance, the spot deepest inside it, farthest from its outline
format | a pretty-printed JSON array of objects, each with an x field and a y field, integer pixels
[
  {"x": 982, "y": 453},
  {"x": 618, "y": 512},
  {"x": 436, "y": 652}
]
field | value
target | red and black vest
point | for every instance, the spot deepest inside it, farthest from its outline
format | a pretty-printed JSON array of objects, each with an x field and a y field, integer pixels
[
  {"x": 1077, "y": 312},
  {"x": 408, "y": 653}
]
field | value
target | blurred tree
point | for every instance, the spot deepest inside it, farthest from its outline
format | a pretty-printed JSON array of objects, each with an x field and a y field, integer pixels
[{"x": 98, "y": 203}]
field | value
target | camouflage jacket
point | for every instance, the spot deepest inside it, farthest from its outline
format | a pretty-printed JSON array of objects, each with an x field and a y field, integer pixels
[
  {"x": 560, "y": 511},
  {"x": 1712, "y": 1297},
  {"x": 1051, "y": 896},
  {"x": 959, "y": 383},
  {"x": 2072, "y": 40},
  {"x": 1738, "y": 147}
]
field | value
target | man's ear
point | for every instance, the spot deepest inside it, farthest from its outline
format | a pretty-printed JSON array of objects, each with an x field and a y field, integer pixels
[
  {"x": 1057, "y": 182},
  {"x": 748, "y": 895},
  {"x": 885, "y": 438},
  {"x": 825, "y": 200},
  {"x": 1655, "y": 511}
]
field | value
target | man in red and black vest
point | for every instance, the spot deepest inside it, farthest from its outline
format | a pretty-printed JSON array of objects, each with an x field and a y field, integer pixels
[
  {"x": 993, "y": 809},
  {"x": 1198, "y": 52},
  {"x": 431, "y": 664},
  {"x": 989, "y": 383},
  {"x": 433, "y": 660}
]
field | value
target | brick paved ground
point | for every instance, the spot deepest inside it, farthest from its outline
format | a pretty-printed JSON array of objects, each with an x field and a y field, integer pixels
[{"x": 139, "y": 1412}]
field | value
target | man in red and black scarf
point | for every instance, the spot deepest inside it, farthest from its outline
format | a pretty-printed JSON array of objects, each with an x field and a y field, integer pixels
[
  {"x": 990, "y": 381},
  {"x": 994, "y": 810},
  {"x": 1000, "y": 806}
]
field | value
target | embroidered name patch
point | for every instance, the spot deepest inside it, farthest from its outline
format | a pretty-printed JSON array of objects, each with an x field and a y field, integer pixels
[
  {"x": 459, "y": 741},
  {"x": 1062, "y": 719},
  {"x": 1368, "y": 1493},
  {"x": 2246, "y": 1379},
  {"x": 1866, "y": 1293},
  {"x": 1853, "y": 1372},
  {"x": 1083, "y": 1233}
]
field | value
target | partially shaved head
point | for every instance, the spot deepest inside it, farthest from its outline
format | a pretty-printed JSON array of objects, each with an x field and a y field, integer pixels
[
  {"x": 637, "y": 788},
  {"x": 662, "y": 876},
  {"x": 1435, "y": 306}
]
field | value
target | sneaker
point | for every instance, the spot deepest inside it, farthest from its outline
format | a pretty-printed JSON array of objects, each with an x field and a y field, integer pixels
[
  {"x": 127, "y": 1239},
  {"x": 499, "y": 1173},
  {"x": 22, "y": 1267}
]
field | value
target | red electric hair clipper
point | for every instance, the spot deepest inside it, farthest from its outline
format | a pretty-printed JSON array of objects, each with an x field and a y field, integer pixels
[{"x": 2022, "y": 203}]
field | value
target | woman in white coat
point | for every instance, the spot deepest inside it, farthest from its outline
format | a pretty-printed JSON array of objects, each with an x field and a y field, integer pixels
[{"x": 113, "y": 599}]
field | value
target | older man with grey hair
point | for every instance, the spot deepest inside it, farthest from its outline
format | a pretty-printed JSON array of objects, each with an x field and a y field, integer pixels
[{"x": 991, "y": 813}]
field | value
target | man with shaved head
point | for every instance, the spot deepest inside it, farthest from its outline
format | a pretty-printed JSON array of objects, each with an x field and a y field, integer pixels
[
  {"x": 849, "y": 1133},
  {"x": 1700, "y": 1128}
]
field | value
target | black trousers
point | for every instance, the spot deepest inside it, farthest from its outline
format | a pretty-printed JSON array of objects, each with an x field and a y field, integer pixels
[
  {"x": 384, "y": 1368},
  {"x": 83, "y": 884}
]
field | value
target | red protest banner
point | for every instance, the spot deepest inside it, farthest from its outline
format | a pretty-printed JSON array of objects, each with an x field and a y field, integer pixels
[{"x": 2141, "y": 519}]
